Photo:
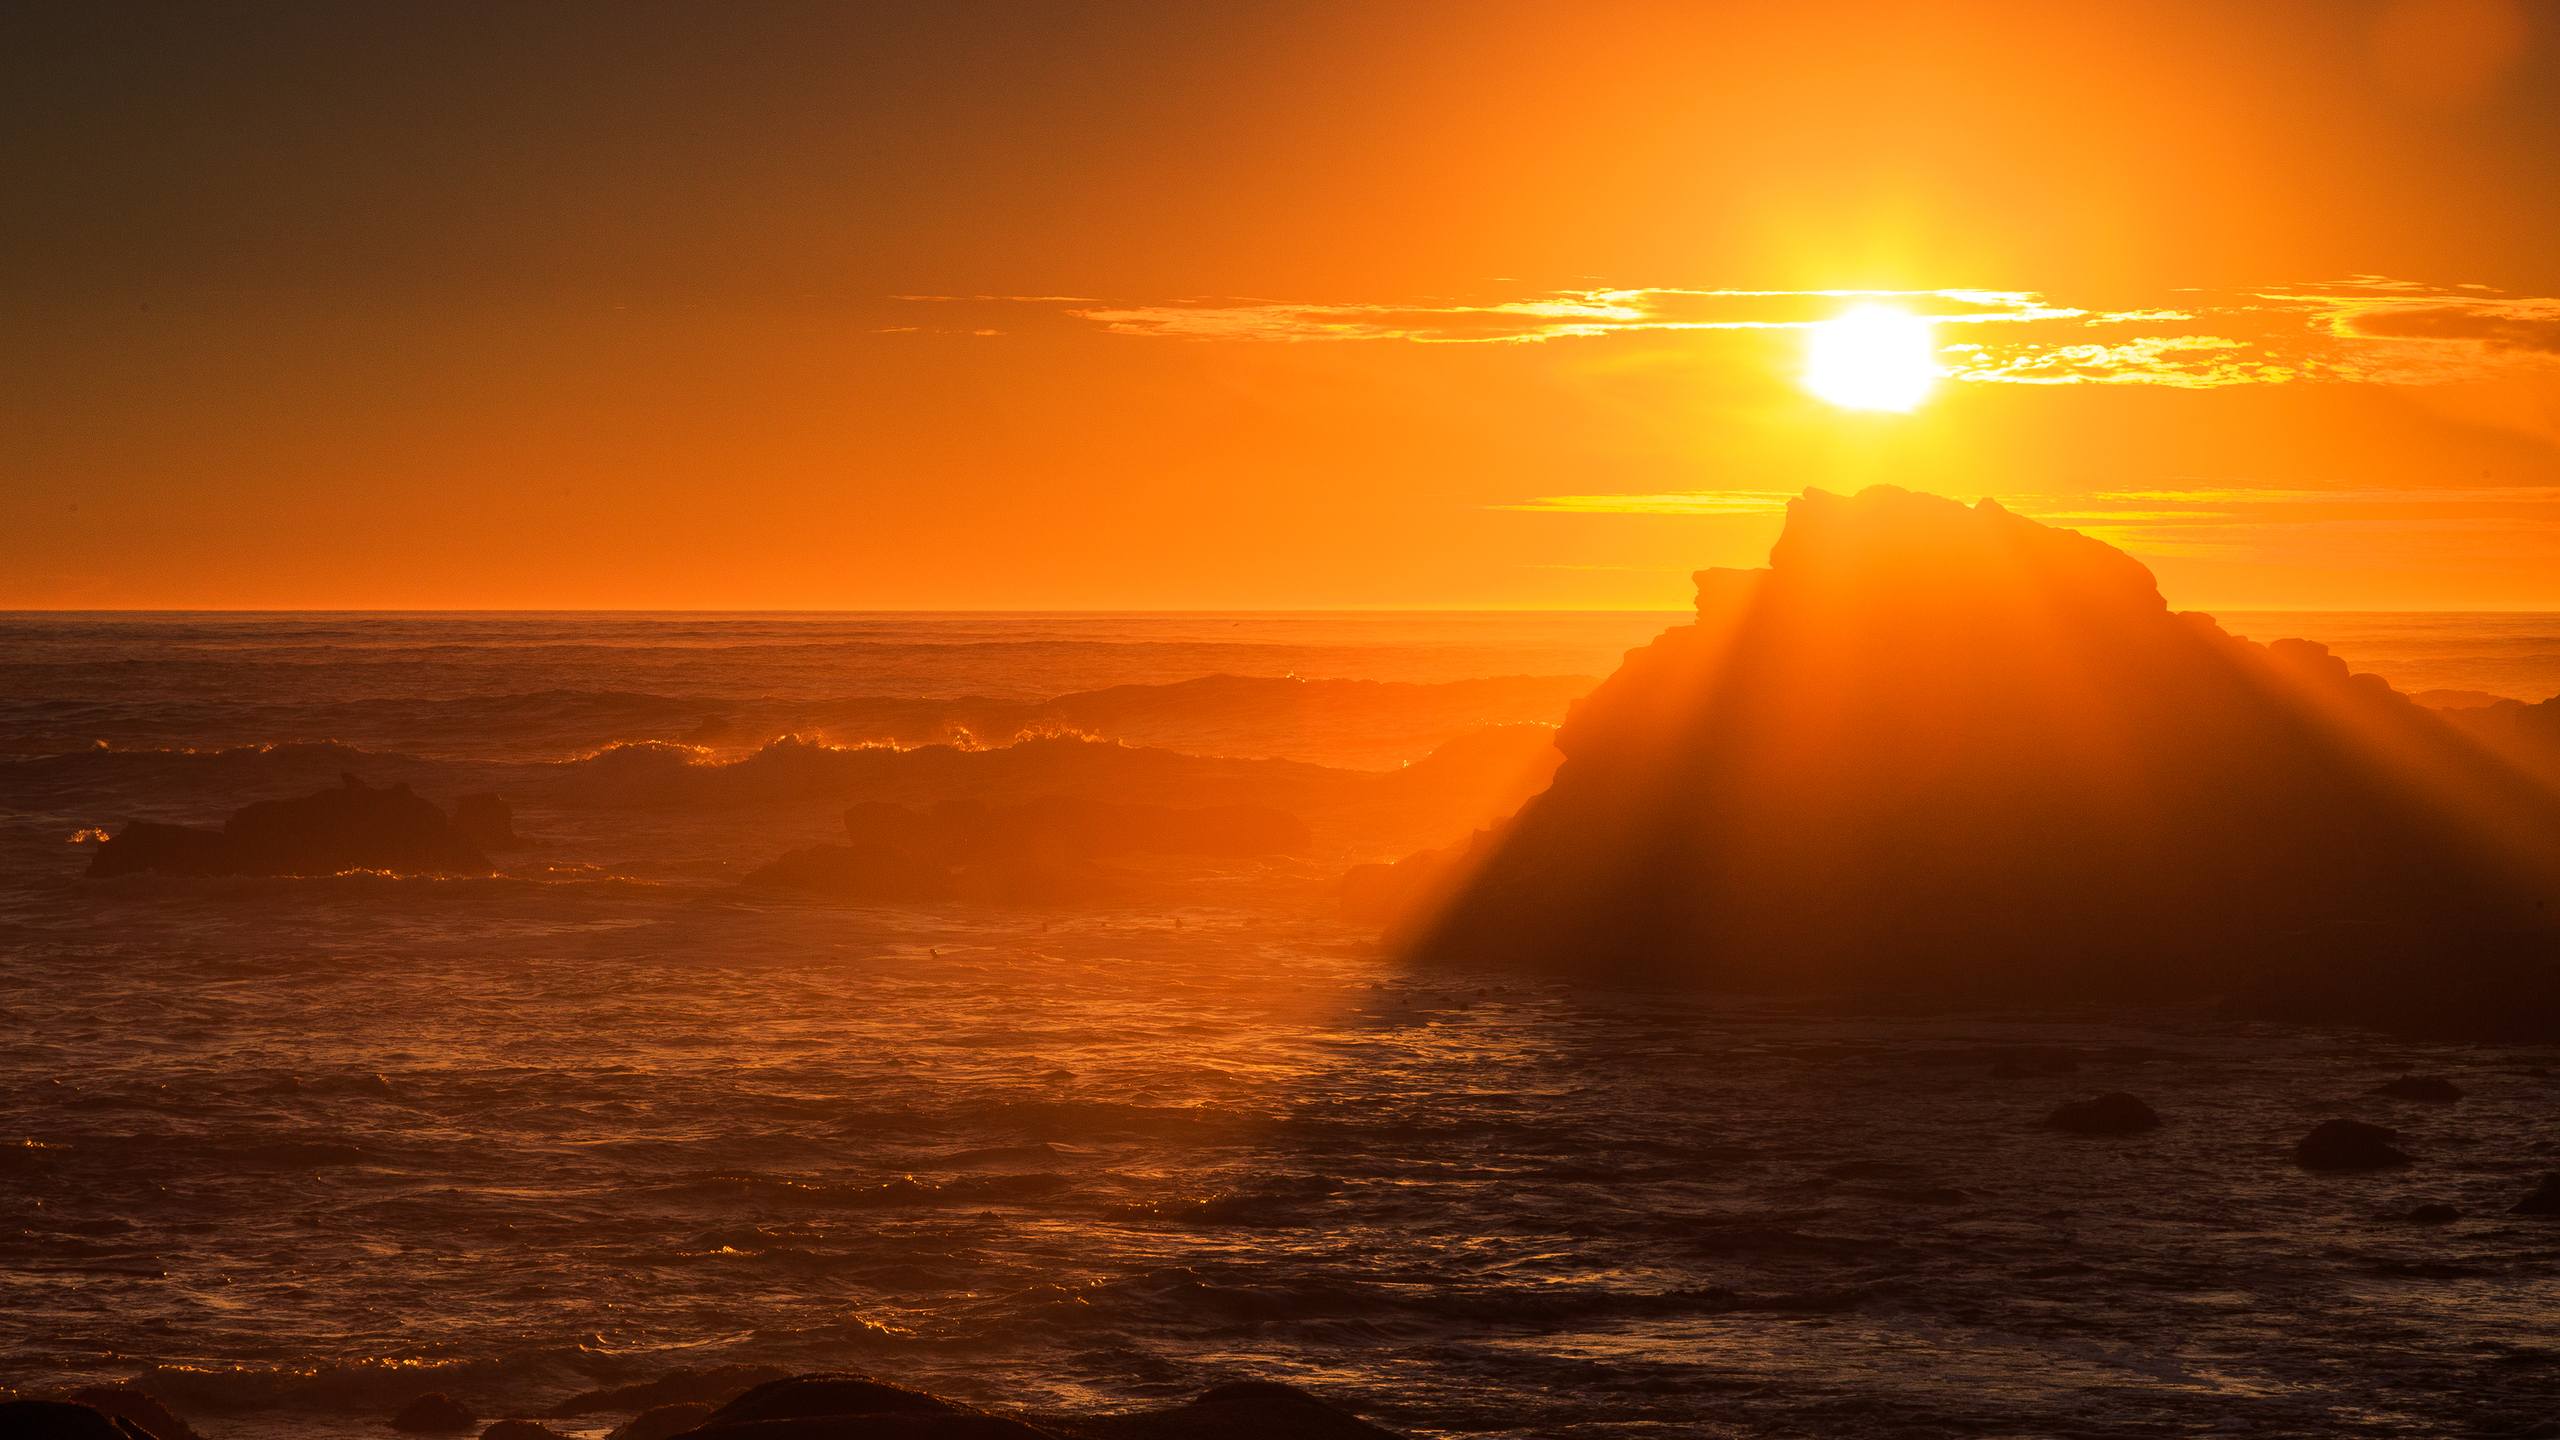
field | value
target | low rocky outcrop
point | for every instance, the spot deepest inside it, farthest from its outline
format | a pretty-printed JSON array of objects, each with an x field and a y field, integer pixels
[
  {"x": 2433, "y": 1089},
  {"x": 434, "y": 1414},
  {"x": 354, "y": 826},
  {"x": 1944, "y": 752},
  {"x": 520, "y": 1430},
  {"x": 2115, "y": 1113},
  {"x": 1370, "y": 725},
  {"x": 846, "y": 872},
  {"x": 2526, "y": 733},
  {"x": 2543, "y": 1201},
  {"x": 486, "y": 820},
  {"x": 1456, "y": 788},
  {"x": 2347, "y": 1145},
  {"x": 2456, "y": 699},
  {"x": 852, "y": 1407}
]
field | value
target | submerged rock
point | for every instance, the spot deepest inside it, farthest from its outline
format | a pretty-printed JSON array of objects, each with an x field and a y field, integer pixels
[
  {"x": 1242, "y": 1410},
  {"x": 1941, "y": 750},
  {"x": 2349, "y": 1145},
  {"x": 2544, "y": 1201},
  {"x": 2433, "y": 1214},
  {"x": 2115, "y": 1113},
  {"x": 852, "y": 1407},
  {"x": 352, "y": 827},
  {"x": 2432, "y": 1088},
  {"x": 706, "y": 1385},
  {"x": 660, "y": 1421},
  {"x": 437, "y": 1413}
]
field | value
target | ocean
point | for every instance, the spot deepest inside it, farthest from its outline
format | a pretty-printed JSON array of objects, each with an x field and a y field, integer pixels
[{"x": 287, "y": 1152}]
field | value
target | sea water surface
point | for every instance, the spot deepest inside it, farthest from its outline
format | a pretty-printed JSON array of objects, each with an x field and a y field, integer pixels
[{"x": 288, "y": 1152}]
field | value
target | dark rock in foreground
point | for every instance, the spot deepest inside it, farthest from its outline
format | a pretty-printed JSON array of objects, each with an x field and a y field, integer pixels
[
  {"x": 2544, "y": 1201},
  {"x": 2434, "y": 1089},
  {"x": 2432, "y": 1215},
  {"x": 852, "y": 1407},
  {"x": 2349, "y": 1145},
  {"x": 433, "y": 1414},
  {"x": 123, "y": 1411},
  {"x": 2115, "y": 1113},
  {"x": 1948, "y": 753},
  {"x": 126, "y": 1402},
  {"x": 62, "y": 1420},
  {"x": 353, "y": 827}
]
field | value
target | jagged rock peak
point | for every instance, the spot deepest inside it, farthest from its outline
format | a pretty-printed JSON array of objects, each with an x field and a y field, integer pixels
[{"x": 1933, "y": 551}]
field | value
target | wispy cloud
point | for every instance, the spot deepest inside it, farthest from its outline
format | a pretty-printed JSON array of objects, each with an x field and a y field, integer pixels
[
  {"x": 2367, "y": 329},
  {"x": 1514, "y": 320},
  {"x": 2195, "y": 362}
]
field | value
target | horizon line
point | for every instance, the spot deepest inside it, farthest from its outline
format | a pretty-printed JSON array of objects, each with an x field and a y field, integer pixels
[{"x": 1104, "y": 611}]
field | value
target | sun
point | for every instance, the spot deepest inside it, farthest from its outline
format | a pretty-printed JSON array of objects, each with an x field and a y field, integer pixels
[{"x": 1873, "y": 357}]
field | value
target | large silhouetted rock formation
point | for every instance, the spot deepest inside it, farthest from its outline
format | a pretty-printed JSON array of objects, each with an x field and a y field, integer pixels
[{"x": 1946, "y": 748}]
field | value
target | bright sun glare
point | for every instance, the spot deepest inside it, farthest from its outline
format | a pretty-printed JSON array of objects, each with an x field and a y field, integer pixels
[{"x": 1873, "y": 357}]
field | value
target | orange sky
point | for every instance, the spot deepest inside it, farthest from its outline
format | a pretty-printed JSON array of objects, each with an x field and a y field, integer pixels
[{"x": 1183, "y": 306}]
